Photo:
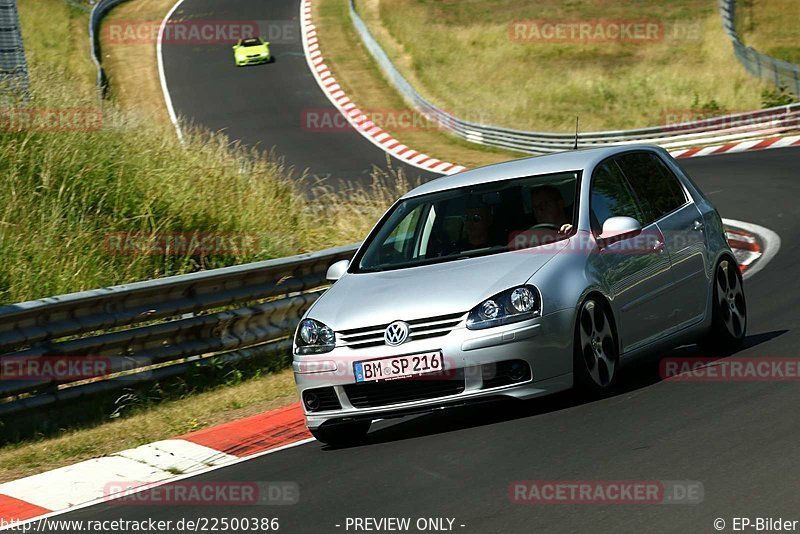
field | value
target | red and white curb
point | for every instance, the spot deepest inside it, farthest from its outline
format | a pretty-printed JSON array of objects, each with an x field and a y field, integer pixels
[
  {"x": 357, "y": 119},
  {"x": 101, "y": 479},
  {"x": 753, "y": 246},
  {"x": 740, "y": 146}
]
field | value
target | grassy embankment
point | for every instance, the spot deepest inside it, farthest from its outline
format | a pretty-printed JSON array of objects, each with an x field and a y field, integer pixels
[
  {"x": 770, "y": 26},
  {"x": 466, "y": 61}
]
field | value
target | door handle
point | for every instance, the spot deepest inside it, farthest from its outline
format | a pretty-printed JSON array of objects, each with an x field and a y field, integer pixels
[
  {"x": 658, "y": 246},
  {"x": 697, "y": 225}
]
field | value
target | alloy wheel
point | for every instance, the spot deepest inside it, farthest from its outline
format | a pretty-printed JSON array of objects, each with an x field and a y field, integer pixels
[
  {"x": 598, "y": 347},
  {"x": 730, "y": 299}
]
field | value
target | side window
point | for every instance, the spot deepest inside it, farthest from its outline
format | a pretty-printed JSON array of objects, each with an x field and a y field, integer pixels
[
  {"x": 656, "y": 186},
  {"x": 611, "y": 196}
]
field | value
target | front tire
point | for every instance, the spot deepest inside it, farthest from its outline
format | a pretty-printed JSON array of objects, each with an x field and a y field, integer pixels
[
  {"x": 342, "y": 434},
  {"x": 728, "y": 309},
  {"x": 596, "y": 353}
]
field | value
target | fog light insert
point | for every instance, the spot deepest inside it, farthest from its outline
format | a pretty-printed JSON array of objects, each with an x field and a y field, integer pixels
[
  {"x": 321, "y": 399},
  {"x": 517, "y": 370},
  {"x": 312, "y": 400},
  {"x": 505, "y": 373}
]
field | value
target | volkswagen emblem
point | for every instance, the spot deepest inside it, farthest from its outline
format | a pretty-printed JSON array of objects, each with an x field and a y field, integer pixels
[{"x": 396, "y": 333}]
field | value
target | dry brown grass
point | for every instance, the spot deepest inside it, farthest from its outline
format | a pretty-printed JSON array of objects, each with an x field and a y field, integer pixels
[
  {"x": 132, "y": 67},
  {"x": 771, "y": 27},
  {"x": 463, "y": 59},
  {"x": 362, "y": 80}
]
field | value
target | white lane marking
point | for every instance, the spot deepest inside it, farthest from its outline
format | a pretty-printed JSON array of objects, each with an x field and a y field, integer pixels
[
  {"x": 771, "y": 241},
  {"x": 155, "y": 484},
  {"x": 176, "y": 455},
  {"x": 161, "y": 73},
  {"x": 85, "y": 481}
]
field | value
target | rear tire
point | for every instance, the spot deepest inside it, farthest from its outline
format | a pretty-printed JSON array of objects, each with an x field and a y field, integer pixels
[
  {"x": 596, "y": 354},
  {"x": 728, "y": 309},
  {"x": 342, "y": 434}
]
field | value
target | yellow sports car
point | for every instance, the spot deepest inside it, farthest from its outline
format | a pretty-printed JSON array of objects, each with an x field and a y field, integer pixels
[{"x": 251, "y": 51}]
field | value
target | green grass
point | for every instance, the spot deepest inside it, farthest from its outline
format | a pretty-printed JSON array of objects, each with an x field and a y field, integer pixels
[
  {"x": 771, "y": 27},
  {"x": 465, "y": 61},
  {"x": 65, "y": 191}
]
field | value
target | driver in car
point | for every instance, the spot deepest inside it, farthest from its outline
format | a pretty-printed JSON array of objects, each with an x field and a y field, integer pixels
[{"x": 548, "y": 208}]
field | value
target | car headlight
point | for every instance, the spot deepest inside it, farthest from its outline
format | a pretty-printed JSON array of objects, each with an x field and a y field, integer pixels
[
  {"x": 515, "y": 304},
  {"x": 313, "y": 337}
]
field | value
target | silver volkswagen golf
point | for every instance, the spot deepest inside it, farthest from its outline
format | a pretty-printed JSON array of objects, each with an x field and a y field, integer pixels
[{"x": 517, "y": 279}]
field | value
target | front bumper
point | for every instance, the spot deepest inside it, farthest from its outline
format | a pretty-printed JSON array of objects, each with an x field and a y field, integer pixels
[
  {"x": 544, "y": 343},
  {"x": 243, "y": 61}
]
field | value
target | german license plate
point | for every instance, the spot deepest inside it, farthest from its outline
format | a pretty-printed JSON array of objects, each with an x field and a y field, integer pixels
[{"x": 399, "y": 366}]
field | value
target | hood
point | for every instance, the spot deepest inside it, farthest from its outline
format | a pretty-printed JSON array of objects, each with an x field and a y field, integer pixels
[
  {"x": 250, "y": 50},
  {"x": 368, "y": 299}
]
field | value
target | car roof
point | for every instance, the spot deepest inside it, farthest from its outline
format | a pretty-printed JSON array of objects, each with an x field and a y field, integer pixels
[{"x": 573, "y": 160}]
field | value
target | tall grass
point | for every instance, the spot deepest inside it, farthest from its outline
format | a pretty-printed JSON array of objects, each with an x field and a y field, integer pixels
[{"x": 65, "y": 191}]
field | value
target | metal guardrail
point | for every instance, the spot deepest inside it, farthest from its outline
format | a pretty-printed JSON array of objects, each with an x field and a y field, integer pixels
[
  {"x": 13, "y": 66},
  {"x": 146, "y": 330},
  {"x": 781, "y": 73},
  {"x": 100, "y": 10},
  {"x": 725, "y": 129}
]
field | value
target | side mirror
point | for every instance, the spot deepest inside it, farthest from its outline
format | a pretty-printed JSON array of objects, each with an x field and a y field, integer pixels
[
  {"x": 618, "y": 228},
  {"x": 336, "y": 270}
]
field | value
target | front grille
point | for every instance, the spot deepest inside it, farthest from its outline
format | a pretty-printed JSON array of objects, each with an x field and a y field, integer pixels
[
  {"x": 504, "y": 373},
  {"x": 321, "y": 399},
  {"x": 372, "y": 394},
  {"x": 372, "y": 336}
]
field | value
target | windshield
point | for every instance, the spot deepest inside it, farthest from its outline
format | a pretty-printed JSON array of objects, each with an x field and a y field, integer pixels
[
  {"x": 251, "y": 42},
  {"x": 473, "y": 221}
]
